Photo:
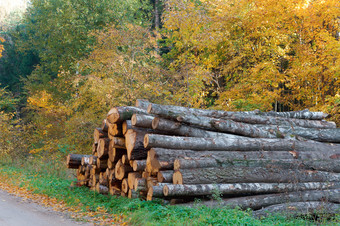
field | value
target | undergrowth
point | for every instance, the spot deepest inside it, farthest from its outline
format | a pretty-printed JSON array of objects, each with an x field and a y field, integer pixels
[{"x": 54, "y": 181}]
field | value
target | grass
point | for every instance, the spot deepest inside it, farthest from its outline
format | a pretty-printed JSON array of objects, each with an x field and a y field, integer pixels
[{"x": 55, "y": 182}]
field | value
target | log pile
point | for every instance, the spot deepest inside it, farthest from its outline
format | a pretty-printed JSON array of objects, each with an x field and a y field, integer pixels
[{"x": 266, "y": 161}]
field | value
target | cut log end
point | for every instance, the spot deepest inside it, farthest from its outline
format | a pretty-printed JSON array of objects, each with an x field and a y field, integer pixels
[
  {"x": 155, "y": 123},
  {"x": 177, "y": 178},
  {"x": 146, "y": 140},
  {"x": 125, "y": 186},
  {"x": 149, "y": 194},
  {"x": 134, "y": 120},
  {"x": 165, "y": 190}
]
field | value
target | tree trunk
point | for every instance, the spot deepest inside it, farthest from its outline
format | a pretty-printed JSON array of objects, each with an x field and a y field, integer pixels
[
  {"x": 236, "y": 144},
  {"x": 181, "y": 190},
  {"x": 144, "y": 121},
  {"x": 251, "y": 175},
  {"x": 120, "y": 114},
  {"x": 179, "y": 129},
  {"x": 299, "y": 208},
  {"x": 172, "y": 154},
  {"x": 261, "y": 201},
  {"x": 165, "y": 176}
]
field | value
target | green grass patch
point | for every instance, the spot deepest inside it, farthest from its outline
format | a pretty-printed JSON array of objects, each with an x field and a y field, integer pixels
[{"x": 57, "y": 185}]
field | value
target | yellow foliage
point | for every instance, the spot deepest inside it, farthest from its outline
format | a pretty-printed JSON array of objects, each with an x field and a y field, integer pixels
[{"x": 1, "y": 46}]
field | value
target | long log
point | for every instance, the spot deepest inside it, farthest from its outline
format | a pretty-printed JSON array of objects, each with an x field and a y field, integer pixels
[
  {"x": 261, "y": 201},
  {"x": 304, "y": 114},
  {"x": 142, "y": 103},
  {"x": 299, "y": 208},
  {"x": 120, "y": 114},
  {"x": 155, "y": 191},
  {"x": 172, "y": 154},
  {"x": 179, "y": 129},
  {"x": 140, "y": 120},
  {"x": 139, "y": 165},
  {"x": 206, "y": 162},
  {"x": 251, "y": 175},
  {"x": 205, "y": 117},
  {"x": 236, "y": 144},
  {"x": 323, "y": 135},
  {"x": 182, "y": 190},
  {"x": 73, "y": 161}
]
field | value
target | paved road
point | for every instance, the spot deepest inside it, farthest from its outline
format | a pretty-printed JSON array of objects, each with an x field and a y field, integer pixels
[{"x": 14, "y": 211}]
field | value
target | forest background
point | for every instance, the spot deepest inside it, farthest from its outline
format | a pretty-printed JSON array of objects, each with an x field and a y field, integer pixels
[{"x": 65, "y": 63}]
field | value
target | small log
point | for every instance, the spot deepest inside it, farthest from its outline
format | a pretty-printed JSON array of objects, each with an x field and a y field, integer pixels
[
  {"x": 181, "y": 190},
  {"x": 165, "y": 176},
  {"x": 120, "y": 114},
  {"x": 139, "y": 165},
  {"x": 103, "y": 147},
  {"x": 121, "y": 170},
  {"x": 251, "y": 175},
  {"x": 140, "y": 120},
  {"x": 125, "y": 186},
  {"x": 299, "y": 208},
  {"x": 235, "y": 144},
  {"x": 73, "y": 161},
  {"x": 132, "y": 178},
  {"x": 140, "y": 184},
  {"x": 98, "y": 134}
]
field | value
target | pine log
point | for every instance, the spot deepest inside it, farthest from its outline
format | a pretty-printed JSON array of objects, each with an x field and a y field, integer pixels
[
  {"x": 139, "y": 165},
  {"x": 165, "y": 176},
  {"x": 142, "y": 103},
  {"x": 172, "y": 154},
  {"x": 182, "y": 190},
  {"x": 140, "y": 120},
  {"x": 260, "y": 201},
  {"x": 235, "y": 144},
  {"x": 120, "y": 114},
  {"x": 299, "y": 208},
  {"x": 132, "y": 178},
  {"x": 206, "y": 162},
  {"x": 126, "y": 126},
  {"x": 251, "y": 175},
  {"x": 73, "y": 161},
  {"x": 105, "y": 126},
  {"x": 99, "y": 133},
  {"x": 179, "y": 129},
  {"x": 304, "y": 114},
  {"x": 121, "y": 170},
  {"x": 103, "y": 147},
  {"x": 323, "y": 135}
]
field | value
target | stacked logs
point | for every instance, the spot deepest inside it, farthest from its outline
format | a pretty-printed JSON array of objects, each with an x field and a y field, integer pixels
[{"x": 263, "y": 161}]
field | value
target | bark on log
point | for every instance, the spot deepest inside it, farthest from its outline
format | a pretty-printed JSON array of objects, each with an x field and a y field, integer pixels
[
  {"x": 165, "y": 176},
  {"x": 132, "y": 178},
  {"x": 139, "y": 165},
  {"x": 172, "y": 154},
  {"x": 105, "y": 126},
  {"x": 120, "y": 114},
  {"x": 144, "y": 121},
  {"x": 206, "y": 162},
  {"x": 98, "y": 133},
  {"x": 251, "y": 175},
  {"x": 154, "y": 191},
  {"x": 73, "y": 161},
  {"x": 235, "y": 144},
  {"x": 323, "y": 135},
  {"x": 304, "y": 114},
  {"x": 298, "y": 209},
  {"x": 134, "y": 144},
  {"x": 103, "y": 147},
  {"x": 142, "y": 103},
  {"x": 181, "y": 190},
  {"x": 260, "y": 201},
  {"x": 101, "y": 189},
  {"x": 117, "y": 142},
  {"x": 179, "y": 129},
  {"x": 140, "y": 184},
  {"x": 85, "y": 160}
]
